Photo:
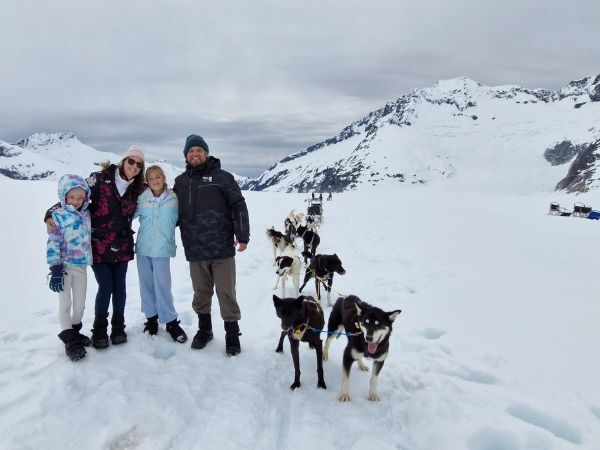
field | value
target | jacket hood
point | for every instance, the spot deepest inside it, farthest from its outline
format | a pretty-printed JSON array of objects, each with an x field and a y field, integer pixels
[
  {"x": 210, "y": 163},
  {"x": 68, "y": 182}
]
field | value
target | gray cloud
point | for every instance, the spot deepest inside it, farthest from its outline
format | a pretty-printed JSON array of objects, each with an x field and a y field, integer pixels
[{"x": 261, "y": 80}]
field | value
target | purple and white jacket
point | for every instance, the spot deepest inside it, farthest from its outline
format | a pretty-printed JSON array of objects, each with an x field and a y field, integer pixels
[{"x": 70, "y": 242}]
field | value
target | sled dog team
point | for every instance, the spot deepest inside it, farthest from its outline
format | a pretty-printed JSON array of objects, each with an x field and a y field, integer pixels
[
  {"x": 92, "y": 225},
  {"x": 367, "y": 328}
]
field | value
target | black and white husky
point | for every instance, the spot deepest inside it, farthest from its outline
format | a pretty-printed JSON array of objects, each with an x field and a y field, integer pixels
[
  {"x": 322, "y": 268},
  {"x": 279, "y": 241},
  {"x": 288, "y": 266},
  {"x": 368, "y": 329},
  {"x": 311, "y": 241}
]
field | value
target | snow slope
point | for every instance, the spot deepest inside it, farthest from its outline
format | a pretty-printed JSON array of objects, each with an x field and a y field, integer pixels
[
  {"x": 496, "y": 347},
  {"x": 457, "y": 129}
]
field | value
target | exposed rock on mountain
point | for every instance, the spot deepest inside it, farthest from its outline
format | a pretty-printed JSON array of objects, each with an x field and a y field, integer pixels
[{"x": 582, "y": 173}]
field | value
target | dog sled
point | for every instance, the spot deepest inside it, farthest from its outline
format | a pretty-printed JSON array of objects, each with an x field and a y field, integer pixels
[
  {"x": 315, "y": 207},
  {"x": 314, "y": 214},
  {"x": 557, "y": 210},
  {"x": 315, "y": 210},
  {"x": 581, "y": 210}
]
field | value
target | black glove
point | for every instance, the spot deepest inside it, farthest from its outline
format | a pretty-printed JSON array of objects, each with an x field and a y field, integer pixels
[{"x": 56, "y": 278}]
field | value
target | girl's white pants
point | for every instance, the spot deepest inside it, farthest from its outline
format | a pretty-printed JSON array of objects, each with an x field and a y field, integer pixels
[{"x": 71, "y": 301}]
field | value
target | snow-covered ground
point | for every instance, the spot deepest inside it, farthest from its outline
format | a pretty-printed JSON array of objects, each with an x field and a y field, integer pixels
[{"x": 497, "y": 346}]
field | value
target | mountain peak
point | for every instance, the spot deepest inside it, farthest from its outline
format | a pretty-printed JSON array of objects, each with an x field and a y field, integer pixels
[
  {"x": 44, "y": 139},
  {"x": 453, "y": 85}
]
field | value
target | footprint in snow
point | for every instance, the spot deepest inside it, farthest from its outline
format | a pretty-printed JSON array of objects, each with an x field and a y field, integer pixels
[
  {"x": 164, "y": 350},
  {"x": 492, "y": 439},
  {"x": 471, "y": 375},
  {"x": 558, "y": 427},
  {"x": 432, "y": 333}
]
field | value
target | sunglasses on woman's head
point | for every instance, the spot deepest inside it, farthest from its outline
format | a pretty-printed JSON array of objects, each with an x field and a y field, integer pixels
[{"x": 133, "y": 162}]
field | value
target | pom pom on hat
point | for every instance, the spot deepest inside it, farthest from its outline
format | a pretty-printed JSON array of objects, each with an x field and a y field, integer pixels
[
  {"x": 134, "y": 150},
  {"x": 193, "y": 140}
]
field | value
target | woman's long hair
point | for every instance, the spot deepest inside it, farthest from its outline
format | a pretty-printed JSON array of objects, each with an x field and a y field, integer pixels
[{"x": 138, "y": 180}]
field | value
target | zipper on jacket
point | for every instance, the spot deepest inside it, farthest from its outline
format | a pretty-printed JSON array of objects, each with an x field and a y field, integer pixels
[{"x": 190, "y": 202}]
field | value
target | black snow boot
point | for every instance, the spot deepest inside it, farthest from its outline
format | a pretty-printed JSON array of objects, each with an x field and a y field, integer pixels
[
  {"x": 204, "y": 334},
  {"x": 151, "y": 325},
  {"x": 232, "y": 338},
  {"x": 117, "y": 334},
  {"x": 85, "y": 341},
  {"x": 176, "y": 331},
  {"x": 73, "y": 347},
  {"x": 99, "y": 334}
]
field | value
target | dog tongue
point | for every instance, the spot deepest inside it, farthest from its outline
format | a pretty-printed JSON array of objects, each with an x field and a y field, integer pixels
[{"x": 372, "y": 347}]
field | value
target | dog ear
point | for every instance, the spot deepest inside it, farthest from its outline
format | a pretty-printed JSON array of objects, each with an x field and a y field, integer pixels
[
  {"x": 276, "y": 300},
  {"x": 358, "y": 309},
  {"x": 299, "y": 301},
  {"x": 392, "y": 315}
]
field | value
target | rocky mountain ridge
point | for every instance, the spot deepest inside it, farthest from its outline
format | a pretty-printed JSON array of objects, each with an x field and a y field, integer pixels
[
  {"x": 449, "y": 130},
  {"x": 49, "y": 155}
]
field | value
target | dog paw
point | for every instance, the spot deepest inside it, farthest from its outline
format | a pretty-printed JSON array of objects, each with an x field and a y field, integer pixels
[
  {"x": 295, "y": 384},
  {"x": 321, "y": 385},
  {"x": 325, "y": 356},
  {"x": 279, "y": 349},
  {"x": 344, "y": 398},
  {"x": 373, "y": 397},
  {"x": 362, "y": 366}
]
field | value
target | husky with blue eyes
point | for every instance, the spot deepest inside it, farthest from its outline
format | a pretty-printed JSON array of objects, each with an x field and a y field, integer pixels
[{"x": 368, "y": 329}]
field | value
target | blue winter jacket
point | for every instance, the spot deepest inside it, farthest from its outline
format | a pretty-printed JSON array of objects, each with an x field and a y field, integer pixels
[
  {"x": 158, "y": 218},
  {"x": 69, "y": 243}
]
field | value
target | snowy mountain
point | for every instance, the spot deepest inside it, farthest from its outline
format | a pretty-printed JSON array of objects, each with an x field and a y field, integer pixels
[
  {"x": 461, "y": 130},
  {"x": 50, "y": 155}
]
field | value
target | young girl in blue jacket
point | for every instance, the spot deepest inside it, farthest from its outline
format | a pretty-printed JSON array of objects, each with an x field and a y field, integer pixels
[{"x": 157, "y": 209}]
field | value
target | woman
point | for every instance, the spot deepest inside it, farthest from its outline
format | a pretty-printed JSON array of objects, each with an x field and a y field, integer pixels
[{"x": 114, "y": 193}]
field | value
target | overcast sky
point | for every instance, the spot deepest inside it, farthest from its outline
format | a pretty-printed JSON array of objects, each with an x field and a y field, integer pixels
[{"x": 260, "y": 80}]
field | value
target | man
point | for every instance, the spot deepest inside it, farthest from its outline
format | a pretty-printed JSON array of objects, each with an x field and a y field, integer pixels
[{"x": 213, "y": 220}]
